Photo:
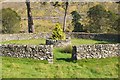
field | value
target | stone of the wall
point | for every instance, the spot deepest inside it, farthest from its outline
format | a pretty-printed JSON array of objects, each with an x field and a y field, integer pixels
[
  {"x": 95, "y": 36},
  {"x": 40, "y": 52},
  {"x": 23, "y": 36},
  {"x": 58, "y": 43},
  {"x": 95, "y": 51}
]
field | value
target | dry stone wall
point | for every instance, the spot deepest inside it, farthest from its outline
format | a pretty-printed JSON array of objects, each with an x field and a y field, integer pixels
[
  {"x": 23, "y": 36},
  {"x": 44, "y": 52},
  {"x": 40, "y": 52},
  {"x": 95, "y": 51},
  {"x": 58, "y": 43},
  {"x": 96, "y": 36}
]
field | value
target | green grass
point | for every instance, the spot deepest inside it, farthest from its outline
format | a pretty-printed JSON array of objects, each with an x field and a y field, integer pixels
[
  {"x": 58, "y": 53},
  {"x": 63, "y": 66},
  {"x": 31, "y": 41},
  {"x": 0, "y": 67},
  {"x": 90, "y": 68},
  {"x": 42, "y": 41},
  {"x": 88, "y": 41}
]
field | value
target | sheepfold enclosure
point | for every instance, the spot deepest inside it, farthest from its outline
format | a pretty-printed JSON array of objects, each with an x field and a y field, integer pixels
[
  {"x": 45, "y": 52},
  {"x": 95, "y": 51},
  {"x": 40, "y": 52},
  {"x": 78, "y": 35}
]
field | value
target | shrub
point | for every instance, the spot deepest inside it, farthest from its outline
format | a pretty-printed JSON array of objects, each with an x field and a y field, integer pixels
[
  {"x": 10, "y": 21},
  {"x": 78, "y": 27},
  {"x": 58, "y": 33},
  {"x": 67, "y": 49}
]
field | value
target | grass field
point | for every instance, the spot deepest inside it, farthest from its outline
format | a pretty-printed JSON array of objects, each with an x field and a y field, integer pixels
[
  {"x": 42, "y": 41},
  {"x": 61, "y": 68},
  {"x": 31, "y": 41},
  {"x": 88, "y": 41}
]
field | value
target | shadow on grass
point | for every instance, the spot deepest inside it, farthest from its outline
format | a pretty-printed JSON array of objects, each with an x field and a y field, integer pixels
[
  {"x": 107, "y": 41},
  {"x": 66, "y": 60}
]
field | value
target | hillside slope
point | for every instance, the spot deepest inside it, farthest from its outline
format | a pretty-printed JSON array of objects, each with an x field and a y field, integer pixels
[{"x": 45, "y": 16}]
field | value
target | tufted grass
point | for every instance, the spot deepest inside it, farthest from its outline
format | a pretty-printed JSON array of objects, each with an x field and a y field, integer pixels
[
  {"x": 88, "y": 41},
  {"x": 42, "y": 41},
  {"x": 31, "y": 41},
  {"x": 61, "y": 68}
]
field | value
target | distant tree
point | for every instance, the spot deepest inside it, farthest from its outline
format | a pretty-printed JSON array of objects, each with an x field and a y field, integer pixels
[
  {"x": 43, "y": 3},
  {"x": 118, "y": 7},
  {"x": 10, "y": 21},
  {"x": 65, "y": 6},
  {"x": 30, "y": 19},
  {"x": 78, "y": 27},
  {"x": 101, "y": 21},
  {"x": 117, "y": 23},
  {"x": 96, "y": 13},
  {"x": 111, "y": 21}
]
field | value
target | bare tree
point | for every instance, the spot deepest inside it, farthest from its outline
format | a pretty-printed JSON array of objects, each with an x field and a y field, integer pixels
[
  {"x": 30, "y": 19},
  {"x": 118, "y": 7},
  {"x": 65, "y": 16},
  {"x": 65, "y": 6}
]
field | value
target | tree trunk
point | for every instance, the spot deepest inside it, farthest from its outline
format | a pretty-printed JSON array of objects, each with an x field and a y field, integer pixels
[
  {"x": 65, "y": 16},
  {"x": 118, "y": 7},
  {"x": 30, "y": 19}
]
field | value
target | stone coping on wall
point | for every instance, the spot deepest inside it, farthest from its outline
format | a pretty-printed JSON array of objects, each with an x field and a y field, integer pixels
[
  {"x": 23, "y": 36},
  {"x": 58, "y": 43},
  {"x": 95, "y": 36},
  {"x": 40, "y": 52},
  {"x": 45, "y": 52},
  {"x": 95, "y": 51},
  {"x": 46, "y": 35}
]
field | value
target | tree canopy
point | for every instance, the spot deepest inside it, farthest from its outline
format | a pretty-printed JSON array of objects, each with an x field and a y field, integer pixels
[
  {"x": 10, "y": 21},
  {"x": 101, "y": 20}
]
